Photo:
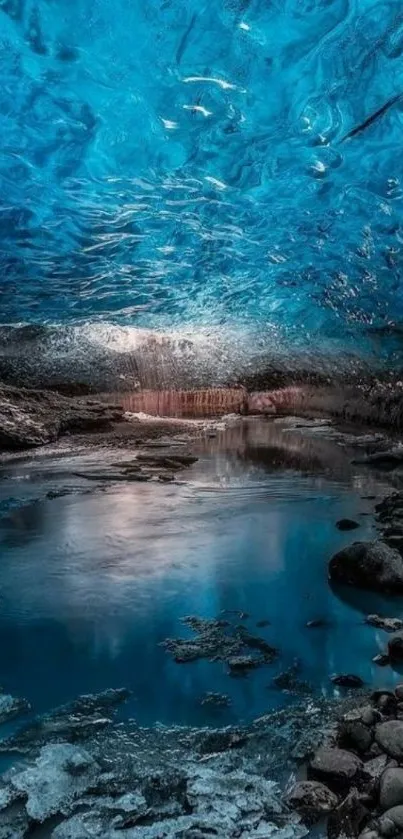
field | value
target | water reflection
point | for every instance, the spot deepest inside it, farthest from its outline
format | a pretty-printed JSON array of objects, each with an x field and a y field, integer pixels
[{"x": 93, "y": 585}]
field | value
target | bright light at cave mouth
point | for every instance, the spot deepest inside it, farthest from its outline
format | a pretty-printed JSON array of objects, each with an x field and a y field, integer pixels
[{"x": 227, "y": 174}]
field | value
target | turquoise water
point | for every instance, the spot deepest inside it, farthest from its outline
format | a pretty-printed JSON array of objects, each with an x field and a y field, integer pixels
[
  {"x": 91, "y": 584},
  {"x": 175, "y": 162}
]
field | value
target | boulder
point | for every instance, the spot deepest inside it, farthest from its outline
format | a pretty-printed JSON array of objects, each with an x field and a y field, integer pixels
[
  {"x": 354, "y": 735},
  {"x": 391, "y": 823},
  {"x": 395, "y": 647},
  {"x": 312, "y": 799},
  {"x": 335, "y": 767},
  {"x": 391, "y": 788},
  {"x": 368, "y": 565},
  {"x": 389, "y": 736}
]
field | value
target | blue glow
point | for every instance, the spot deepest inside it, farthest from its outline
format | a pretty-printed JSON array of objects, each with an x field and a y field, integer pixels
[{"x": 169, "y": 161}]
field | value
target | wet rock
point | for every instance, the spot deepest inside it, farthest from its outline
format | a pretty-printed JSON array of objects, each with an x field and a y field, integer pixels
[
  {"x": 369, "y": 565},
  {"x": 75, "y": 722},
  {"x": 348, "y": 818},
  {"x": 388, "y": 624},
  {"x": 399, "y": 692},
  {"x": 391, "y": 788},
  {"x": 347, "y": 680},
  {"x": 50, "y": 784},
  {"x": 370, "y": 716},
  {"x": 217, "y": 640},
  {"x": 11, "y": 707},
  {"x": 221, "y": 740},
  {"x": 218, "y": 700},
  {"x": 385, "y": 701},
  {"x": 355, "y": 736},
  {"x": 391, "y": 823},
  {"x": 241, "y": 663},
  {"x": 395, "y": 647},
  {"x": 381, "y": 659},
  {"x": 289, "y": 680},
  {"x": 383, "y": 460},
  {"x": 389, "y": 736},
  {"x": 347, "y": 524},
  {"x": 312, "y": 800},
  {"x": 34, "y": 417},
  {"x": 334, "y": 767}
]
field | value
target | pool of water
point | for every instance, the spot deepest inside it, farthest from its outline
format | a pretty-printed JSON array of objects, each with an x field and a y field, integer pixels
[{"x": 92, "y": 583}]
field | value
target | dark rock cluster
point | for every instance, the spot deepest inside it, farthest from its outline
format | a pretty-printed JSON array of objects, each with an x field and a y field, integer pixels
[
  {"x": 219, "y": 640},
  {"x": 357, "y": 780}
]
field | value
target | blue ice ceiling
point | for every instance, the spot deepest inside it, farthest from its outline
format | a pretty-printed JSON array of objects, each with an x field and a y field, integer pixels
[{"x": 175, "y": 161}]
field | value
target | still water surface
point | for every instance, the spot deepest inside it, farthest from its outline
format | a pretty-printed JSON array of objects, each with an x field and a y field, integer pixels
[{"x": 90, "y": 584}]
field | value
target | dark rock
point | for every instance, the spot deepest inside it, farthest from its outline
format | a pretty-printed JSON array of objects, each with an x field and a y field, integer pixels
[
  {"x": 349, "y": 817},
  {"x": 316, "y": 623},
  {"x": 383, "y": 460},
  {"x": 399, "y": 692},
  {"x": 355, "y": 736},
  {"x": 35, "y": 417},
  {"x": 217, "y": 640},
  {"x": 221, "y": 740},
  {"x": 391, "y": 788},
  {"x": 347, "y": 524},
  {"x": 242, "y": 663},
  {"x": 391, "y": 823},
  {"x": 335, "y": 767},
  {"x": 370, "y": 716},
  {"x": 382, "y": 659},
  {"x": 11, "y": 707},
  {"x": 385, "y": 701},
  {"x": 347, "y": 680},
  {"x": 395, "y": 647},
  {"x": 218, "y": 700},
  {"x": 262, "y": 624},
  {"x": 289, "y": 681},
  {"x": 74, "y": 722},
  {"x": 388, "y": 624},
  {"x": 370, "y": 565},
  {"x": 389, "y": 736},
  {"x": 312, "y": 800}
]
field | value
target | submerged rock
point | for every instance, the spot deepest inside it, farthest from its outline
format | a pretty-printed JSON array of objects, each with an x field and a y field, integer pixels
[
  {"x": 75, "y": 722},
  {"x": 61, "y": 773},
  {"x": 11, "y": 707},
  {"x": 347, "y": 680},
  {"x": 218, "y": 640},
  {"x": 34, "y": 417},
  {"x": 388, "y": 624},
  {"x": 217, "y": 700},
  {"x": 370, "y": 565},
  {"x": 347, "y": 524}
]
